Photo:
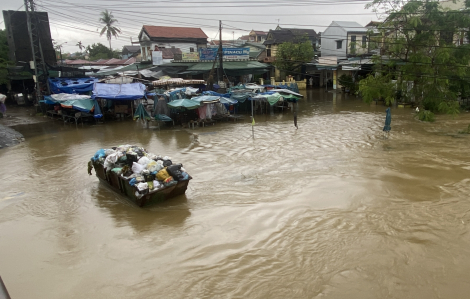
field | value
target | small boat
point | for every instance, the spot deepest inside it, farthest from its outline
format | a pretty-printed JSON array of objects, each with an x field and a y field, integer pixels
[{"x": 123, "y": 185}]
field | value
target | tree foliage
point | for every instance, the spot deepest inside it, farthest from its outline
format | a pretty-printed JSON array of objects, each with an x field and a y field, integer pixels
[
  {"x": 291, "y": 55},
  {"x": 423, "y": 54},
  {"x": 99, "y": 51},
  {"x": 109, "y": 27},
  {"x": 4, "y": 60}
]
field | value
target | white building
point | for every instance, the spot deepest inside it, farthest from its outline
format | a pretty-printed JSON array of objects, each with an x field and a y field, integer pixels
[
  {"x": 186, "y": 39},
  {"x": 344, "y": 39}
]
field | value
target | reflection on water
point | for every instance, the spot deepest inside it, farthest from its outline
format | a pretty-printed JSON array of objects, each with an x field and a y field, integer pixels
[{"x": 331, "y": 210}]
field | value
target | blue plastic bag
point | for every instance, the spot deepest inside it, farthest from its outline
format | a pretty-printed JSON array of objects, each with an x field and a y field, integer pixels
[
  {"x": 132, "y": 182},
  {"x": 99, "y": 154}
]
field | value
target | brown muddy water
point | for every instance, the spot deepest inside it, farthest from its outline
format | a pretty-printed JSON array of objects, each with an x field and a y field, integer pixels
[{"x": 331, "y": 210}]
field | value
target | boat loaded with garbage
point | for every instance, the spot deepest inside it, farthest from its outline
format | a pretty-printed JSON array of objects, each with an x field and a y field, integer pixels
[{"x": 141, "y": 176}]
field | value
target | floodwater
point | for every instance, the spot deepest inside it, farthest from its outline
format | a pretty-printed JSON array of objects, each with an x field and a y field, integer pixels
[{"x": 331, "y": 210}]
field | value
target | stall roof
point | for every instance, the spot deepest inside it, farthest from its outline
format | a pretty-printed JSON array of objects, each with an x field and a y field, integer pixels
[
  {"x": 120, "y": 69},
  {"x": 71, "y": 85},
  {"x": 128, "y": 91}
]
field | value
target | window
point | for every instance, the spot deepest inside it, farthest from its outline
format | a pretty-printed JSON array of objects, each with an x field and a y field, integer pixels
[
  {"x": 191, "y": 49},
  {"x": 339, "y": 44},
  {"x": 447, "y": 37},
  {"x": 353, "y": 44},
  {"x": 364, "y": 41},
  {"x": 268, "y": 52}
]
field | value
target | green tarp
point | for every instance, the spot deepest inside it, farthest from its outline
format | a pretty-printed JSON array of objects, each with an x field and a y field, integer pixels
[
  {"x": 273, "y": 98},
  {"x": 141, "y": 113},
  {"x": 184, "y": 103}
]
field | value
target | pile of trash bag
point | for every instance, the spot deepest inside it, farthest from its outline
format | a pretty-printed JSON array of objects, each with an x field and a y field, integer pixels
[{"x": 144, "y": 170}]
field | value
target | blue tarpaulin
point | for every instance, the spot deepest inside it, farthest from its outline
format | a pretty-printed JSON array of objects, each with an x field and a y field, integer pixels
[
  {"x": 83, "y": 105},
  {"x": 72, "y": 85},
  {"x": 129, "y": 91},
  {"x": 213, "y": 93}
]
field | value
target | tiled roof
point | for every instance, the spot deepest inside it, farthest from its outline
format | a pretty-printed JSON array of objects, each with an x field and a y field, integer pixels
[
  {"x": 260, "y": 32},
  {"x": 77, "y": 61},
  {"x": 245, "y": 37},
  {"x": 290, "y": 34},
  {"x": 132, "y": 48},
  {"x": 174, "y": 32}
]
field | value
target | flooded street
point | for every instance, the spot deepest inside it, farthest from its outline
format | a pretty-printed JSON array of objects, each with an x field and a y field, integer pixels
[{"x": 331, "y": 210}]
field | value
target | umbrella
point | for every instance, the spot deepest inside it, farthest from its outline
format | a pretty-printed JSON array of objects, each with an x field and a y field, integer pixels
[
  {"x": 141, "y": 113},
  {"x": 388, "y": 120},
  {"x": 97, "y": 110},
  {"x": 184, "y": 103},
  {"x": 206, "y": 99},
  {"x": 163, "y": 117},
  {"x": 228, "y": 101}
]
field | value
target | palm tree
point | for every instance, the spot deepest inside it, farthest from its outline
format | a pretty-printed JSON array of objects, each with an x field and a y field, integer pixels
[
  {"x": 108, "y": 20},
  {"x": 80, "y": 46}
]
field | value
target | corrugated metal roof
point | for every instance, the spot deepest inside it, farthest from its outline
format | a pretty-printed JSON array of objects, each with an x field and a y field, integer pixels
[
  {"x": 174, "y": 32},
  {"x": 350, "y": 26}
]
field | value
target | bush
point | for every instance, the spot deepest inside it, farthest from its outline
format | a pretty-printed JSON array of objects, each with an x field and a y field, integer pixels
[{"x": 425, "y": 115}]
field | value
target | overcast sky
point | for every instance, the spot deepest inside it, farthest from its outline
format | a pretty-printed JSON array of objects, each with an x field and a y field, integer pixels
[{"x": 73, "y": 21}]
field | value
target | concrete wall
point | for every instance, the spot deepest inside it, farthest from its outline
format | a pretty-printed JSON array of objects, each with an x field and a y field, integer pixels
[
  {"x": 329, "y": 38},
  {"x": 184, "y": 47},
  {"x": 449, "y": 4}
]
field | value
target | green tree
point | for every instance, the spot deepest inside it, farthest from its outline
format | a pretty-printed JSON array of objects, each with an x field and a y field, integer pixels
[
  {"x": 291, "y": 55},
  {"x": 80, "y": 46},
  {"x": 99, "y": 51},
  {"x": 4, "y": 60},
  {"x": 424, "y": 56},
  {"x": 108, "y": 20}
]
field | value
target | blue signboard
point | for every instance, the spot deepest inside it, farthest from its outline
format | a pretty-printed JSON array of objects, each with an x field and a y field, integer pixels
[{"x": 228, "y": 53}]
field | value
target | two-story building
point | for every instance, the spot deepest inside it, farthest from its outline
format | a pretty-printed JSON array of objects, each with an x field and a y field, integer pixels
[
  {"x": 186, "y": 39},
  {"x": 256, "y": 36},
  {"x": 344, "y": 39}
]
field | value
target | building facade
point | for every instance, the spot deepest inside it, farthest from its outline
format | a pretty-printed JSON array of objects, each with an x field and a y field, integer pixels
[
  {"x": 186, "y": 39},
  {"x": 344, "y": 39}
]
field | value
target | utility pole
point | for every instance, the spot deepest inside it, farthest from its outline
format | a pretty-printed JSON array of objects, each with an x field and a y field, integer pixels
[
  {"x": 221, "y": 58},
  {"x": 36, "y": 47}
]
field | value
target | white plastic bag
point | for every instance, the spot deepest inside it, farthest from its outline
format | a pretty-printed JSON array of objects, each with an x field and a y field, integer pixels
[
  {"x": 137, "y": 168},
  {"x": 109, "y": 151},
  {"x": 154, "y": 166},
  {"x": 156, "y": 185},
  {"x": 144, "y": 161},
  {"x": 142, "y": 186},
  {"x": 112, "y": 159}
]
